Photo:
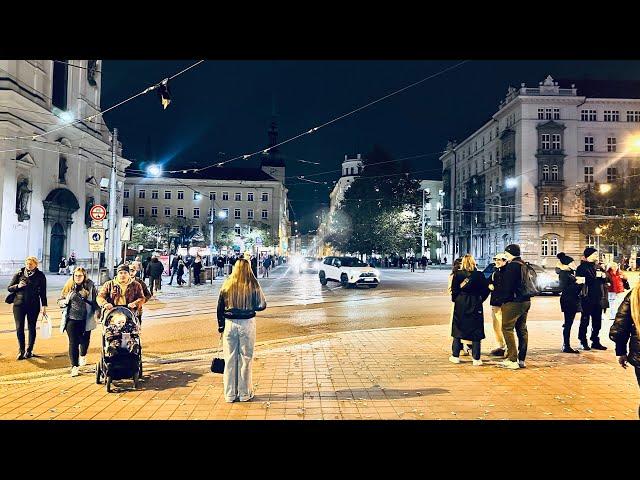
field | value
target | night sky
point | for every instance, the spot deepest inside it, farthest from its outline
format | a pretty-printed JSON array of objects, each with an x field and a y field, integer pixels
[{"x": 226, "y": 106}]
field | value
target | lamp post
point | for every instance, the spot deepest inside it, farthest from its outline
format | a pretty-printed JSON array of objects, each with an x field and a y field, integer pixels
[{"x": 598, "y": 231}]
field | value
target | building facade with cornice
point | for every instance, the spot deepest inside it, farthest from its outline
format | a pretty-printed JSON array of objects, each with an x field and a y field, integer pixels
[{"x": 522, "y": 176}]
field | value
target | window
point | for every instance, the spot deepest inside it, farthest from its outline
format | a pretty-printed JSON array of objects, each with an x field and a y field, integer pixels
[
  {"x": 236, "y": 213},
  {"x": 141, "y": 194},
  {"x": 180, "y": 194},
  {"x": 225, "y": 211},
  {"x": 588, "y": 174},
  {"x": 611, "y": 144},
  {"x": 541, "y": 114},
  {"x": 167, "y": 211},
  {"x": 196, "y": 195},
  {"x": 126, "y": 194},
  {"x": 545, "y": 206},
  {"x": 545, "y": 172},
  {"x": 546, "y": 141},
  {"x": 547, "y": 114},
  {"x": 611, "y": 116},
  {"x": 555, "y": 145},
  {"x": 588, "y": 144},
  {"x": 212, "y": 195},
  {"x": 588, "y": 115},
  {"x": 154, "y": 194},
  {"x": 555, "y": 206},
  {"x": 612, "y": 174},
  {"x": 265, "y": 214},
  {"x": 633, "y": 116},
  {"x": 167, "y": 194},
  {"x": 237, "y": 230},
  {"x": 181, "y": 212},
  {"x": 265, "y": 197},
  {"x": 554, "y": 246},
  {"x": 196, "y": 212},
  {"x": 556, "y": 114},
  {"x": 554, "y": 173},
  {"x": 250, "y": 197},
  {"x": 238, "y": 196},
  {"x": 225, "y": 195},
  {"x": 60, "y": 83},
  {"x": 545, "y": 247},
  {"x": 154, "y": 211},
  {"x": 125, "y": 210},
  {"x": 250, "y": 214},
  {"x": 141, "y": 211}
]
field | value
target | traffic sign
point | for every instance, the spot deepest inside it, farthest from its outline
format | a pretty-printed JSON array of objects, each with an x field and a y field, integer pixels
[
  {"x": 258, "y": 240},
  {"x": 97, "y": 223},
  {"x": 98, "y": 212},
  {"x": 96, "y": 239}
]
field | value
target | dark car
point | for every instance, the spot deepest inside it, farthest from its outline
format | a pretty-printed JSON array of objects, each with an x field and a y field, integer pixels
[
  {"x": 309, "y": 264},
  {"x": 488, "y": 270}
]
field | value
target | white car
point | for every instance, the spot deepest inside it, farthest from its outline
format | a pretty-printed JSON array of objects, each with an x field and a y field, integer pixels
[{"x": 349, "y": 271}]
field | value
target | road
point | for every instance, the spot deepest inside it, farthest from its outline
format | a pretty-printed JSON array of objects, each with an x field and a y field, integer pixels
[{"x": 183, "y": 319}]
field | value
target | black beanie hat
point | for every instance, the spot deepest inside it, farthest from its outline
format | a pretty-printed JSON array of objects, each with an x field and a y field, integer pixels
[
  {"x": 588, "y": 252},
  {"x": 564, "y": 258},
  {"x": 513, "y": 249}
]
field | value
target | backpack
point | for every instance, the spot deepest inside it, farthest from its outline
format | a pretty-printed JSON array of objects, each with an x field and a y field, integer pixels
[{"x": 529, "y": 283}]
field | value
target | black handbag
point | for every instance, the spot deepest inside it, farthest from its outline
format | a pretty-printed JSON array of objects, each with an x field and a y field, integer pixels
[
  {"x": 10, "y": 298},
  {"x": 217, "y": 365}
]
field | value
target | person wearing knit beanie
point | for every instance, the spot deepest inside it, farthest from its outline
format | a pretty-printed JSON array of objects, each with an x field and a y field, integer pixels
[
  {"x": 595, "y": 300},
  {"x": 564, "y": 258},
  {"x": 589, "y": 251},
  {"x": 570, "y": 299},
  {"x": 513, "y": 250}
]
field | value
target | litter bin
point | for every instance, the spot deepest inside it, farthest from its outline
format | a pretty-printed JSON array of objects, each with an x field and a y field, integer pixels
[
  {"x": 206, "y": 274},
  {"x": 104, "y": 276}
]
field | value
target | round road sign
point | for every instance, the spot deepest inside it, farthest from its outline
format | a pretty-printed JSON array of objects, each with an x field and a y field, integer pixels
[{"x": 98, "y": 212}]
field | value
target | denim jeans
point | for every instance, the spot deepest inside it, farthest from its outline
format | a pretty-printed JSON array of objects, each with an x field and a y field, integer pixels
[
  {"x": 514, "y": 315},
  {"x": 238, "y": 341},
  {"x": 456, "y": 348}
]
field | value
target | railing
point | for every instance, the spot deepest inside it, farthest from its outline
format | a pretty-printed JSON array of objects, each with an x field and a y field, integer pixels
[{"x": 549, "y": 151}]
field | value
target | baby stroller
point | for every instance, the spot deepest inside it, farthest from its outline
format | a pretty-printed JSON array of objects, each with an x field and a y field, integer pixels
[{"x": 121, "y": 348}]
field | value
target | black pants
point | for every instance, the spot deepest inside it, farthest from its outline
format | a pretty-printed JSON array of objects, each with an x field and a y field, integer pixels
[
  {"x": 154, "y": 282},
  {"x": 78, "y": 340},
  {"x": 173, "y": 273},
  {"x": 179, "y": 279},
  {"x": 595, "y": 313},
  {"x": 456, "y": 348},
  {"x": 413, "y": 267},
  {"x": 31, "y": 313},
  {"x": 196, "y": 276},
  {"x": 569, "y": 317}
]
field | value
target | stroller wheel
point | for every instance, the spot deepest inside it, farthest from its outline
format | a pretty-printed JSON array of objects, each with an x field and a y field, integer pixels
[
  {"x": 136, "y": 379},
  {"x": 98, "y": 374},
  {"x": 108, "y": 382}
]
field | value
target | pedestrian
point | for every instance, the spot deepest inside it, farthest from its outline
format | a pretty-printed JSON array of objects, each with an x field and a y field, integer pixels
[
  {"x": 266, "y": 263},
  {"x": 254, "y": 265},
  {"x": 174, "y": 267},
  {"x": 30, "y": 288},
  {"x": 181, "y": 267},
  {"x": 626, "y": 330},
  {"x": 122, "y": 290},
  {"x": 412, "y": 261},
  {"x": 444, "y": 259},
  {"x": 221, "y": 265},
  {"x": 570, "y": 303},
  {"x": 618, "y": 283},
  {"x": 466, "y": 344},
  {"x": 197, "y": 268},
  {"x": 423, "y": 263},
  {"x": 78, "y": 300},
  {"x": 514, "y": 309},
  {"x": 155, "y": 274},
  {"x": 137, "y": 266},
  {"x": 62, "y": 267},
  {"x": 145, "y": 268},
  {"x": 240, "y": 298},
  {"x": 496, "y": 285},
  {"x": 469, "y": 290},
  {"x": 592, "y": 301},
  {"x": 72, "y": 263}
]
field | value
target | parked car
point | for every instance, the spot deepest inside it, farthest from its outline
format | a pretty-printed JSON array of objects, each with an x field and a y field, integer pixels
[
  {"x": 349, "y": 271},
  {"x": 309, "y": 264},
  {"x": 548, "y": 282}
]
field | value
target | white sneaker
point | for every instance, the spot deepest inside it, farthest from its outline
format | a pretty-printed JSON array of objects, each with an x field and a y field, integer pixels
[
  {"x": 453, "y": 359},
  {"x": 74, "y": 371},
  {"x": 477, "y": 363},
  {"x": 83, "y": 361},
  {"x": 509, "y": 364},
  {"x": 521, "y": 363}
]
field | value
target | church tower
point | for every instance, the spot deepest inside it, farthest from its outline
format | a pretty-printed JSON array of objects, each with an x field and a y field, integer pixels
[{"x": 272, "y": 163}]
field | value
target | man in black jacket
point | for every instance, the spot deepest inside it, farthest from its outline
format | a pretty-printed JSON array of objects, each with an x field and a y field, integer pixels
[
  {"x": 514, "y": 309},
  {"x": 174, "y": 268},
  {"x": 594, "y": 279},
  {"x": 155, "y": 274},
  {"x": 496, "y": 285}
]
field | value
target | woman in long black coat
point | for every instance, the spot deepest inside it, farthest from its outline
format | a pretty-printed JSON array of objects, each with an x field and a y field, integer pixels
[
  {"x": 570, "y": 303},
  {"x": 469, "y": 289}
]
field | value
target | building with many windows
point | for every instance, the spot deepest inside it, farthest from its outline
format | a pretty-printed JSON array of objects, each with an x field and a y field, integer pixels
[
  {"x": 523, "y": 176},
  {"x": 53, "y": 167},
  {"x": 433, "y": 195}
]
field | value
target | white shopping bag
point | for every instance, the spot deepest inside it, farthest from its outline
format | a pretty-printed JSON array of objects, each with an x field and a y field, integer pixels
[{"x": 45, "y": 328}]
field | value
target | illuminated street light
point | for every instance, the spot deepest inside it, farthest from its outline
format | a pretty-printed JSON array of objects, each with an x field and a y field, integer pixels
[
  {"x": 222, "y": 214},
  {"x": 510, "y": 182},
  {"x": 197, "y": 196},
  {"x": 154, "y": 170},
  {"x": 605, "y": 188},
  {"x": 598, "y": 230}
]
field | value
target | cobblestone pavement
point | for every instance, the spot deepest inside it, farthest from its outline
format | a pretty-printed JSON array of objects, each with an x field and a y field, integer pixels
[{"x": 395, "y": 373}]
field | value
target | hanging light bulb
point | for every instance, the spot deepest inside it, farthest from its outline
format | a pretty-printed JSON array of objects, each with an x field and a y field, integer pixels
[{"x": 164, "y": 93}]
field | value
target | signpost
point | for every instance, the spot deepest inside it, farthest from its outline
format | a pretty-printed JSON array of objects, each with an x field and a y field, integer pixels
[{"x": 96, "y": 242}]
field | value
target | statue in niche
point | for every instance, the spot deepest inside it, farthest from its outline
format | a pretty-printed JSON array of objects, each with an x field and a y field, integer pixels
[
  {"x": 22, "y": 200},
  {"x": 87, "y": 216},
  {"x": 92, "y": 68},
  {"x": 62, "y": 170}
]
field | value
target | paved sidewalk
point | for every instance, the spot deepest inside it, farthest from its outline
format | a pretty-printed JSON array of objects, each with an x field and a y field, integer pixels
[{"x": 400, "y": 373}]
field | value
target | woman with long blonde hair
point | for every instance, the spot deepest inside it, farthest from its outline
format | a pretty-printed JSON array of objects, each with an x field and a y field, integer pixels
[
  {"x": 240, "y": 298},
  {"x": 626, "y": 331},
  {"x": 78, "y": 301}
]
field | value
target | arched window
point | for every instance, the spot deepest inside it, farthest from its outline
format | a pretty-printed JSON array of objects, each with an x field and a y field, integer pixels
[
  {"x": 545, "y": 247},
  {"x": 554, "y": 246},
  {"x": 545, "y": 206},
  {"x": 545, "y": 172},
  {"x": 555, "y": 206},
  {"x": 554, "y": 172}
]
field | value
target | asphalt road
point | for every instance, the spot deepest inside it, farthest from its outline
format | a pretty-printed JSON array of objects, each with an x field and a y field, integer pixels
[{"x": 183, "y": 319}]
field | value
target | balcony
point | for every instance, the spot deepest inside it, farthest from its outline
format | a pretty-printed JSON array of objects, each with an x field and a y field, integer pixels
[
  {"x": 551, "y": 183},
  {"x": 551, "y": 218},
  {"x": 549, "y": 152}
]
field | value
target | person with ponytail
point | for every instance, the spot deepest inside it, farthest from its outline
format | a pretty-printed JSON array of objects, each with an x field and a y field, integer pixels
[
  {"x": 626, "y": 331},
  {"x": 240, "y": 298}
]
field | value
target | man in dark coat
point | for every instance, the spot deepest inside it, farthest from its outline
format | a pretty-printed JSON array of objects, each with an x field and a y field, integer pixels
[
  {"x": 254, "y": 265},
  {"x": 570, "y": 299},
  {"x": 174, "y": 267},
  {"x": 592, "y": 302},
  {"x": 496, "y": 285},
  {"x": 155, "y": 274}
]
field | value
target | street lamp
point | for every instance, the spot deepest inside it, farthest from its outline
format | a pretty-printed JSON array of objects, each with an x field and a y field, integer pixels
[
  {"x": 604, "y": 188},
  {"x": 598, "y": 231},
  {"x": 154, "y": 170}
]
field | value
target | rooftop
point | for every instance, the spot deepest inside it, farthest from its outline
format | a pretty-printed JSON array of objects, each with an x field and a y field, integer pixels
[{"x": 219, "y": 173}]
